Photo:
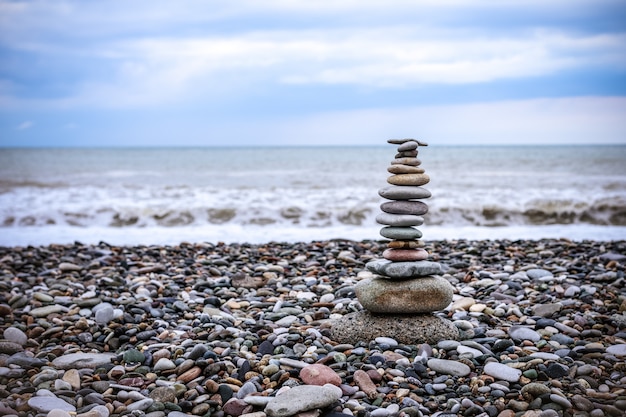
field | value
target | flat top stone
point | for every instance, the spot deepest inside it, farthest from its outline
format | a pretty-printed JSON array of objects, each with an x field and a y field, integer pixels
[
  {"x": 401, "y": 141},
  {"x": 403, "y": 270}
]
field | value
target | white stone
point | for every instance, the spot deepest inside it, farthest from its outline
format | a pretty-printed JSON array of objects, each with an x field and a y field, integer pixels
[{"x": 502, "y": 372}]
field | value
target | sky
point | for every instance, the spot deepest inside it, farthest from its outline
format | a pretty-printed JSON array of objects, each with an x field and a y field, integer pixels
[{"x": 285, "y": 72}]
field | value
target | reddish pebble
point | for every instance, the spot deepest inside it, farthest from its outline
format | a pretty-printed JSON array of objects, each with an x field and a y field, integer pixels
[
  {"x": 318, "y": 374},
  {"x": 363, "y": 380},
  {"x": 405, "y": 255}
]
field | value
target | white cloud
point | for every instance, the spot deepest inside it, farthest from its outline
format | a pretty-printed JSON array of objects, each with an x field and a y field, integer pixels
[
  {"x": 25, "y": 125},
  {"x": 153, "y": 71},
  {"x": 578, "y": 120}
]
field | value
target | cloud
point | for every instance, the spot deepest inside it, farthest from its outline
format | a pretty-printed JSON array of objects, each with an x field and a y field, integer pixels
[
  {"x": 151, "y": 71},
  {"x": 580, "y": 120},
  {"x": 25, "y": 125}
]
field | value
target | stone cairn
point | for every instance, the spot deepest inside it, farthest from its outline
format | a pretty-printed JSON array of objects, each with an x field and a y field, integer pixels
[{"x": 405, "y": 288}]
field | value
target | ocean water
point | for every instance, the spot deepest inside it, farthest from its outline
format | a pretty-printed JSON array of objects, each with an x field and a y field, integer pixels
[{"x": 256, "y": 195}]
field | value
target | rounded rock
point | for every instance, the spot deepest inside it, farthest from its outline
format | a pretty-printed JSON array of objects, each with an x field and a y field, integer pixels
[
  {"x": 405, "y": 255},
  {"x": 423, "y": 295},
  {"x": 409, "y": 179},
  {"x": 319, "y": 374}
]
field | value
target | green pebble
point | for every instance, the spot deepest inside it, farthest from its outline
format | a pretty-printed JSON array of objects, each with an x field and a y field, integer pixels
[
  {"x": 134, "y": 356},
  {"x": 378, "y": 401},
  {"x": 530, "y": 374},
  {"x": 270, "y": 370},
  {"x": 156, "y": 406},
  {"x": 173, "y": 407},
  {"x": 339, "y": 357}
]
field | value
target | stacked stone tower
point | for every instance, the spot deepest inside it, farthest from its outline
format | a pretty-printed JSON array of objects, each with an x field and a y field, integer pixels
[{"x": 405, "y": 288}]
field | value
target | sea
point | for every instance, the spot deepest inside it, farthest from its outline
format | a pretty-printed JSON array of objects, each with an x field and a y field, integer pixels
[{"x": 165, "y": 196}]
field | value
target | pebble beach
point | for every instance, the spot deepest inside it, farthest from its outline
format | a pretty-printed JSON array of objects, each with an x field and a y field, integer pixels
[{"x": 213, "y": 329}]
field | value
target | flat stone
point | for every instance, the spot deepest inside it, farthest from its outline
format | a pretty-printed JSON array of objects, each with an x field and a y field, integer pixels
[
  {"x": 319, "y": 374},
  {"x": 405, "y": 328},
  {"x": 405, "y": 255},
  {"x": 448, "y": 367},
  {"x": 408, "y": 146},
  {"x": 399, "y": 192},
  {"x": 547, "y": 310},
  {"x": 617, "y": 350},
  {"x": 69, "y": 267},
  {"x": 47, "y": 310},
  {"x": 302, "y": 398},
  {"x": 537, "y": 273},
  {"x": 405, "y": 244},
  {"x": 422, "y": 295},
  {"x": 403, "y": 270},
  {"x": 45, "y": 404},
  {"x": 524, "y": 333},
  {"x": 409, "y": 179},
  {"x": 82, "y": 360},
  {"x": 401, "y": 233},
  {"x": 405, "y": 169},
  {"x": 406, "y": 161},
  {"x": 399, "y": 219},
  {"x": 416, "y": 208},
  {"x": 401, "y": 141},
  {"x": 502, "y": 372}
]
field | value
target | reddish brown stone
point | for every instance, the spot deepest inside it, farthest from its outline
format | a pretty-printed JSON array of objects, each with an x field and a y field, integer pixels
[
  {"x": 405, "y": 255},
  {"x": 318, "y": 374}
]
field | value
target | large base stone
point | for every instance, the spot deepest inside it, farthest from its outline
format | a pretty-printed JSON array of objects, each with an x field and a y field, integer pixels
[
  {"x": 408, "y": 329},
  {"x": 409, "y": 296}
]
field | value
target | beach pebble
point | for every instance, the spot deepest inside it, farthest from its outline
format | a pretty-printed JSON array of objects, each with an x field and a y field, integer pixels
[
  {"x": 524, "y": 333},
  {"x": 318, "y": 374},
  {"x": 301, "y": 398},
  {"x": 448, "y": 367},
  {"x": 502, "y": 372}
]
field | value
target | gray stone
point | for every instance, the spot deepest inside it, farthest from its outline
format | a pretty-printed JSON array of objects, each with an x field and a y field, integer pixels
[
  {"x": 415, "y": 208},
  {"x": 401, "y": 233},
  {"x": 104, "y": 313},
  {"x": 617, "y": 350},
  {"x": 82, "y": 360},
  {"x": 547, "y": 310},
  {"x": 140, "y": 405},
  {"x": 408, "y": 146},
  {"x": 537, "y": 273},
  {"x": 404, "y": 193},
  {"x": 15, "y": 335},
  {"x": 524, "y": 333},
  {"x": 399, "y": 219},
  {"x": 502, "y": 372},
  {"x": 403, "y": 270},
  {"x": 423, "y": 295},
  {"x": 45, "y": 404},
  {"x": 302, "y": 398},
  {"x": 405, "y": 328},
  {"x": 47, "y": 310},
  {"x": 448, "y": 367}
]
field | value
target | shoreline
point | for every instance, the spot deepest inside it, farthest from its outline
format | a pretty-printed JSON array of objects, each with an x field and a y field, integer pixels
[{"x": 218, "y": 329}]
